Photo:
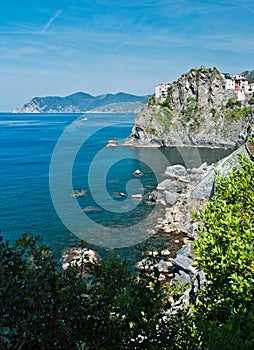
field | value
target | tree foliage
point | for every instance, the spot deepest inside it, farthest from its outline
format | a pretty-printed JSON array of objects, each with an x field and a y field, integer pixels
[
  {"x": 44, "y": 307},
  {"x": 224, "y": 315},
  {"x": 235, "y": 111}
]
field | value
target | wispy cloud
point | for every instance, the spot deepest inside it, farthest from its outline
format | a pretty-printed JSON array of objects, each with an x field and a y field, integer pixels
[
  {"x": 50, "y": 21},
  {"x": 32, "y": 31},
  {"x": 248, "y": 8}
]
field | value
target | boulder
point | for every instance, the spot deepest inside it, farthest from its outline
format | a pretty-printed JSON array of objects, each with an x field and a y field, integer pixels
[
  {"x": 165, "y": 252},
  {"x": 199, "y": 170},
  {"x": 176, "y": 171},
  {"x": 186, "y": 251},
  {"x": 195, "y": 177},
  {"x": 170, "y": 197},
  {"x": 171, "y": 185},
  {"x": 164, "y": 266},
  {"x": 204, "y": 187},
  {"x": 144, "y": 264},
  {"x": 153, "y": 196},
  {"x": 185, "y": 272}
]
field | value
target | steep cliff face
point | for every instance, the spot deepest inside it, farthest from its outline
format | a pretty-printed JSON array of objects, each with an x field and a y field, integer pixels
[{"x": 196, "y": 112}]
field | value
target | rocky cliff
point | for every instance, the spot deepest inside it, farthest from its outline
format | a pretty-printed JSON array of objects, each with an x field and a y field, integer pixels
[{"x": 198, "y": 111}]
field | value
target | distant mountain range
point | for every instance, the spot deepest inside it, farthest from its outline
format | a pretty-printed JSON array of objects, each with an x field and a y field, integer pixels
[{"x": 81, "y": 102}]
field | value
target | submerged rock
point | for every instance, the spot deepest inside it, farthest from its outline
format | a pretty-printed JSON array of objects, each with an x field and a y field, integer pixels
[
  {"x": 137, "y": 197},
  {"x": 91, "y": 208},
  {"x": 79, "y": 193},
  {"x": 112, "y": 143},
  {"x": 137, "y": 173}
]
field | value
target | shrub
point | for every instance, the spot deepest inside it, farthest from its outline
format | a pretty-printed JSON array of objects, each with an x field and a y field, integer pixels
[
  {"x": 44, "y": 307},
  {"x": 151, "y": 101},
  {"x": 252, "y": 99},
  {"x": 225, "y": 251},
  {"x": 251, "y": 139},
  {"x": 233, "y": 103}
]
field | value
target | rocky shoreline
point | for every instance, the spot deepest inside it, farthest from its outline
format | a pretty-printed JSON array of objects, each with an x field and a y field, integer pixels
[
  {"x": 184, "y": 192},
  {"x": 181, "y": 194}
]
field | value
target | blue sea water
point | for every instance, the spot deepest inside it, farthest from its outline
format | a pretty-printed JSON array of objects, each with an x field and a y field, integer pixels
[{"x": 27, "y": 143}]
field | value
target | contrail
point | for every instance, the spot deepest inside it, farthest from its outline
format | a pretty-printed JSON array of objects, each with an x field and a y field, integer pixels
[
  {"x": 50, "y": 21},
  {"x": 248, "y": 8},
  {"x": 43, "y": 31}
]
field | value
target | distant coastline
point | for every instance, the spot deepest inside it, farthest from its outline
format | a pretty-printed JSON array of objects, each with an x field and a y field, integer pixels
[{"x": 81, "y": 102}]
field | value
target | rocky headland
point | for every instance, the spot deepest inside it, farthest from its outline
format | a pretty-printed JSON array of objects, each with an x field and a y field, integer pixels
[{"x": 199, "y": 111}]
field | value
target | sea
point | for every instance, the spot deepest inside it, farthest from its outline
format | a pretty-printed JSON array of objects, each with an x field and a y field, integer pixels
[{"x": 60, "y": 180}]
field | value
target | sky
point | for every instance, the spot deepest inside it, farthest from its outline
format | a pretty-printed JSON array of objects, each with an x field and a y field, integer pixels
[{"x": 58, "y": 47}]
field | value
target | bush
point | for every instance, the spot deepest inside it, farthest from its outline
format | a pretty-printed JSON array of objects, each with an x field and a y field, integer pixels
[
  {"x": 151, "y": 101},
  {"x": 233, "y": 103},
  {"x": 252, "y": 99},
  {"x": 251, "y": 138},
  {"x": 225, "y": 251},
  {"x": 44, "y": 307}
]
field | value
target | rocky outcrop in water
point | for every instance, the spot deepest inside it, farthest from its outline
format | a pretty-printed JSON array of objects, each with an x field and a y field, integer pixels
[{"x": 195, "y": 113}]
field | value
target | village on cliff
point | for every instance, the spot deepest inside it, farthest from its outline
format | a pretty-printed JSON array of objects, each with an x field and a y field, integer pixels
[{"x": 237, "y": 83}]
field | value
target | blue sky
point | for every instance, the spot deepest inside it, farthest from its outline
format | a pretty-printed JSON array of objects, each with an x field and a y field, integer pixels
[{"x": 57, "y": 47}]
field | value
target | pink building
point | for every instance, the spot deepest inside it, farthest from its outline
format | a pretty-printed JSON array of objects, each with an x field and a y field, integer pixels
[
  {"x": 161, "y": 91},
  {"x": 241, "y": 86}
]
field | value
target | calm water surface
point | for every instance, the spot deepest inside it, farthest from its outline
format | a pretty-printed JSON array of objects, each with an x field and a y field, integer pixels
[{"x": 27, "y": 142}]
